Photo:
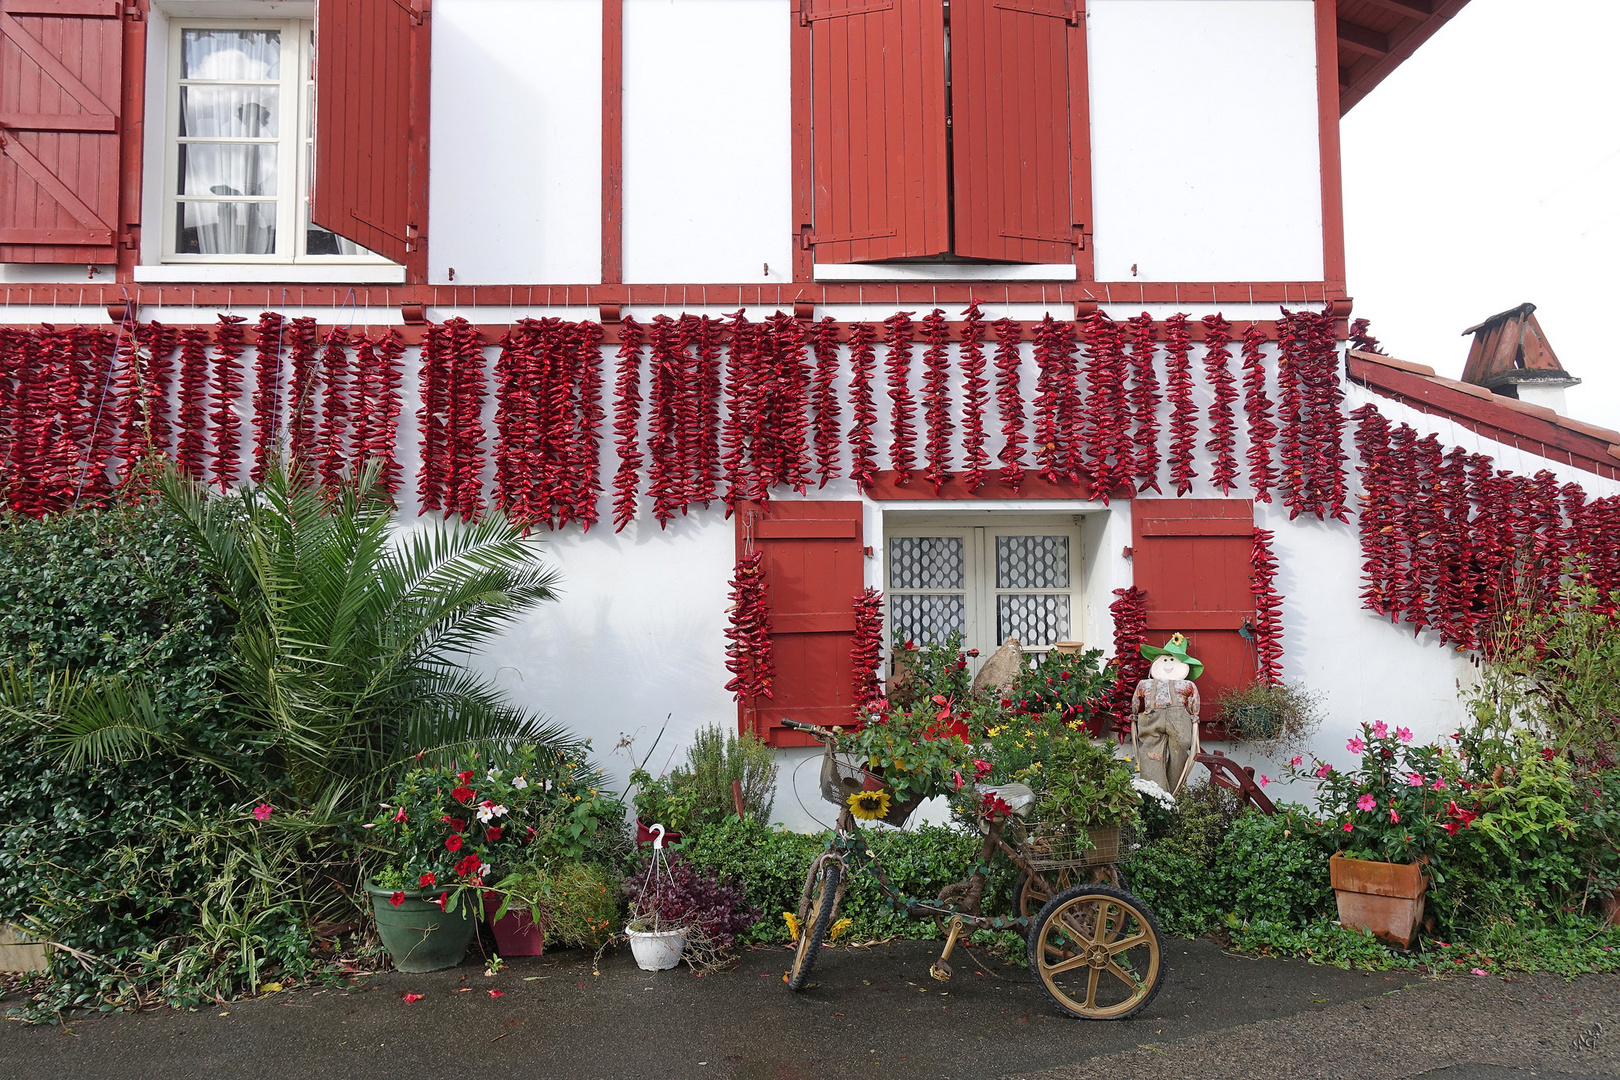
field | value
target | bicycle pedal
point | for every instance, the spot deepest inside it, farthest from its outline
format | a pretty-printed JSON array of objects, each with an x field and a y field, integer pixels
[{"x": 941, "y": 971}]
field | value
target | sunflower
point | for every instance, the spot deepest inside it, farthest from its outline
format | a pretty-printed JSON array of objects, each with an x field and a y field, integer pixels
[{"x": 869, "y": 805}]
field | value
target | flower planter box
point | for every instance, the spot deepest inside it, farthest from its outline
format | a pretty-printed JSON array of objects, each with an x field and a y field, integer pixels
[
  {"x": 1386, "y": 899},
  {"x": 515, "y": 932},
  {"x": 418, "y": 934}
]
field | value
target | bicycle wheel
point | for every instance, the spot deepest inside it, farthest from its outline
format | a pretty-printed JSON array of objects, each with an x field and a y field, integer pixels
[
  {"x": 1029, "y": 897},
  {"x": 818, "y": 918},
  {"x": 1096, "y": 951}
]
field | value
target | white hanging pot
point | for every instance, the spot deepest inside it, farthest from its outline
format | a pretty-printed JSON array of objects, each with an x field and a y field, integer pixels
[{"x": 657, "y": 950}]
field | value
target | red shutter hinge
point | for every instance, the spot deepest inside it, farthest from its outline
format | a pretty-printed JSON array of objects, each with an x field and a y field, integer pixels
[
  {"x": 805, "y": 243},
  {"x": 126, "y": 240},
  {"x": 133, "y": 13},
  {"x": 804, "y": 310},
  {"x": 1127, "y": 551},
  {"x": 413, "y": 314}
]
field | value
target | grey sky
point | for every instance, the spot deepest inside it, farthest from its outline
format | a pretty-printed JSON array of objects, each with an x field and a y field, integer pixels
[{"x": 1486, "y": 172}]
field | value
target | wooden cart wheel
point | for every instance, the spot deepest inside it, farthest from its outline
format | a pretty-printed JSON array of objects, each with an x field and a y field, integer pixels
[
  {"x": 818, "y": 917},
  {"x": 1029, "y": 897},
  {"x": 1096, "y": 950}
]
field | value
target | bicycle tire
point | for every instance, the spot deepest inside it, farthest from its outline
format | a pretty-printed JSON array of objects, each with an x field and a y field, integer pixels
[
  {"x": 1028, "y": 900},
  {"x": 819, "y": 918},
  {"x": 1060, "y": 933}
]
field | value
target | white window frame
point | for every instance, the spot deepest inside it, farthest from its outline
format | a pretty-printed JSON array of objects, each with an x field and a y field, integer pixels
[
  {"x": 979, "y": 572},
  {"x": 294, "y": 143}
]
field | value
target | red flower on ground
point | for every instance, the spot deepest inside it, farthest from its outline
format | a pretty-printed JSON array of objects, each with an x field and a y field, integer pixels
[
  {"x": 411, "y": 999},
  {"x": 497, "y": 993},
  {"x": 453, "y": 843}
]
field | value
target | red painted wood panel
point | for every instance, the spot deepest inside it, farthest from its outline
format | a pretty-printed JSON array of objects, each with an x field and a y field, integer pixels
[
  {"x": 814, "y": 567},
  {"x": 61, "y": 89},
  {"x": 1010, "y": 113},
  {"x": 1192, "y": 559},
  {"x": 880, "y": 184},
  {"x": 365, "y": 73}
]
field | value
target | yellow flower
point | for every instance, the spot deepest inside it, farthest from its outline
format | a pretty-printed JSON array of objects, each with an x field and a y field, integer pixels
[
  {"x": 869, "y": 805},
  {"x": 792, "y": 924},
  {"x": 839, "y": 927}
]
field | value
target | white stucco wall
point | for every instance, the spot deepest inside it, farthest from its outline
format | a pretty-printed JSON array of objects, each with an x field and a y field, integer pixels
[
  {"x": 707, "y": 141},
  {"x": 1205, "y": 155},
  {"x": 515, "y": 183}
]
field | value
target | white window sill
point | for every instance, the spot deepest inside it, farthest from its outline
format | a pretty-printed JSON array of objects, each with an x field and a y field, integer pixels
[
  {"x": 273, "y": 273},
  {"x": 944, "y": 272}
]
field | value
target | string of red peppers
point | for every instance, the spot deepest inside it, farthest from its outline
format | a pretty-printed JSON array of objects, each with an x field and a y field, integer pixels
[
  {"x": 1183, "y": 413},
  {"x": 1130, "y": 667},
  {"x": 866, "y": 648},
  {"x": 664, "y": 448},
  {"x": 193, "y": 414},
  {"x": 824, "y": 398},
  {"x": 1257, "y": 407},
  {"x": 937, "y": 399},
  {"x": 1144, "y": 401},
  {"x": 626, "y": 421},
  {"x": 784, "y": 414},
  {"x": 862, "y": 405},
  {"x": 1105, "y": 428},
  {"x": 1222, "y": 421},
  {"x": 975, "y": 396},
  {"x": 224, "y": 421},
  {"x": 1010, "y": 402},
  {"x": 897, "y": 337},
  {"x": 1057, "y": 402},
  {"x": 748, "y": 631},
  {"x": 1268, "y": 627},
  {"x": 266, "y": 392}
]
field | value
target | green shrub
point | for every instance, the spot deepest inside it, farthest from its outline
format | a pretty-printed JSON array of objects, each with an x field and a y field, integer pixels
[{"x": 715, "y": 759}]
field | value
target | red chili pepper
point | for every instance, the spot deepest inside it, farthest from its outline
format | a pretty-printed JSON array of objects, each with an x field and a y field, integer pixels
[
  {"x": 824, "y": 398},
  {"x": 974, "y": 397},
  {"x": 301, "y": 407},
  {"x": 749, "y": 654},
  {"x": 383, "y": 403},
  {"x": 1291, "y": 356},
  {"x": 1222, "y": 421},
  {"x": 866, "y": 648},
  {"x": 266, "y": 392},
  {"x": 585, "y": 487},
  {"x": 1257, "y": 406},
  {"x": 1377, "y": 510},
  {"x": 863, "y": 408},
  {"x": 1110, "y": 462},
  {"x": 431, "y": 414},
  {"x": 1144, "y": 400},
  {"x": 193, "y": 418},
  {"x": 937, "y": 399},
  {"x": 330, "y": 449},
  {"x": 224, "y": 419},
  {"x": 663, "y": 445},
  {"x": 1010, "y": 402},
  {"x": 1129, "y": 666},
  {"x": 1183, "y": 413},
  {"x": 897, "y": 336},
  {"x": 626, "y": 421},
  {"x": 1267, "y": 610},
  {"x": 1056, "y": 402},
  {"x": 783, "y": 411}
]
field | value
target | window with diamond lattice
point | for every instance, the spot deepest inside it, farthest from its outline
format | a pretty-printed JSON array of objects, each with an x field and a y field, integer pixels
[{"x": 1018, "y": 580}]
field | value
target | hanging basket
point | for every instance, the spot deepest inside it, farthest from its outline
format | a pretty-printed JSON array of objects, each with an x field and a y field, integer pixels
[{"x": 842, "y": 776}]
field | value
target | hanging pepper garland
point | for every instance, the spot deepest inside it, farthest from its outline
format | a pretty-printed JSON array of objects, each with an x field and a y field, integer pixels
[
  {"x": 664, "y": 449},
  {"x": 1183, "y": 413},
  {"x": 331, "y": 450},
  {"x": 1291, "y": 481},
  {"x": 1222, "y": 421},
  {"x": 1268, "y": 627},
  {"x": 585, "y": 489},
  {"x": 975, "y": 396},
  {"x": 937, "y": 399},
  {"x": 1057, "y": 402},
  {"x": 897, "y": 337},
  {"x": 1377, "y": 513},
  {"x": 689, "y": 430},
  {"x": 224, "y": 422},
  {"x": 748, "y": 631},
  {"x": 626, "y": 422},
  {"x": 430, "y": 414},
  {"x": 1325, "y": 427},
  {"x": 266, "y": 393},
  {"x": 1144, "y": 401},
  {"x": 1257, "y": 407},
  {"x": 133, "y": 438},
  {"x": 1361, "y": 338},
  {"x": 518, "y": 388},
  {"x": 382, "y": 407},
  {"x": 193, "y": 417},
  {"x": 866, "y": 648},
  {"x": 464, "y": 391},
  {"x": 742, "y": 365},
  {"x": 1454, "y": 562},
  {"x": 159, "y": 341},
  {"x": 824, "y": 398},
  {"x": 1105, "y": 429},
  {"x": 706, "y": 439},
  {"x": 1130, "y": 667},
  {"x": 784, "y": 412},
  {"x": 301, "y": 407},
  {"x": 862, "y": 406},
  {"x": 1010, "y": 402}
]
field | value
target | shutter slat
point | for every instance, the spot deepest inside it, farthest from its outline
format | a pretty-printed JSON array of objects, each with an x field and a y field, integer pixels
[
  {"x": 60, "y": 94},
  {"x": 878, "y": 131},
  {"x": 364, "y": 70},
  {"x": 814, "y": 567},
  {"x": 1011, "y": 129}
]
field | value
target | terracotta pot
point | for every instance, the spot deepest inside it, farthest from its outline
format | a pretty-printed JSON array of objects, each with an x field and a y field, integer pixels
[
  {"x": 1386, "y": 899},
  {"x": 515, "y": 932},
  {"x": 1610, "y": 908}
]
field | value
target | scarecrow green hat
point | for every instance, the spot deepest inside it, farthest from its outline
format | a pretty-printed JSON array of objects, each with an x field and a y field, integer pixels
[{"x": 1176, "y": 649}]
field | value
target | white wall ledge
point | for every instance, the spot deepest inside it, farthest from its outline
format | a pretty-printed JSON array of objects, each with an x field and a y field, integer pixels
[
  {"x": 272, "y": 274},
  {"x": 944, "y": 272}
]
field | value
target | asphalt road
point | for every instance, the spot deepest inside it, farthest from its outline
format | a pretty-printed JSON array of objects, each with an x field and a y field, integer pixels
[{"x": 874, "y": 1013}]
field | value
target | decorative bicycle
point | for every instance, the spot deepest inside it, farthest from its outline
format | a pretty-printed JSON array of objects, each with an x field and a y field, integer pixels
[{"x": 1094, "y": 946}]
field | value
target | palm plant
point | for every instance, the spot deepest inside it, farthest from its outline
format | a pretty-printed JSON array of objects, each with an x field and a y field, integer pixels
[{"x": 344, "y": 652}]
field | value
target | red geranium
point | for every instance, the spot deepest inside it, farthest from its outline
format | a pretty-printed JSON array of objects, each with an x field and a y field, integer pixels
[{"x": 454, "y": 843}]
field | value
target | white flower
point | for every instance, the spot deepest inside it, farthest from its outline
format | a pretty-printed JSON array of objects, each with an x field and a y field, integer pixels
[
  {"x": 519, "y": 783},
  {"x": 493, "y": 773},
  {"x": 486, "y": 814},
  {"x": 498, "y": 811},
  {"x": 369, "y": 825},
  {"x": 1153, "y": 791},
  {"x": 483, "y": 871}
]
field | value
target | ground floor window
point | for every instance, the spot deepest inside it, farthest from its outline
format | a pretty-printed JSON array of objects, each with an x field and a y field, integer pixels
[{"x": 1020, "y": 578}]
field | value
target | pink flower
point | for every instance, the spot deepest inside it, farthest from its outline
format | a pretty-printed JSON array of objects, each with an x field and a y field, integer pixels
[
  {"x": 1380, "y": 729},
  {"x": 1414, "y": 780},
  {"x": 1264, "y": 779},
  {"x": 1439, "y": 783},
  {"x": 1479, "y": 971},
  {"x": 263, "y": 811},
  {"x": 1395, "y": 819},
  {"x": 412, "y": 999},
  {"x": 1366, "y": 802},
  {"x": 1355, "y": 745},
  {"x": 1349, "y": 826},
  {"x": 1403, "y": 734},
  {"x": 1324, "y": 770},
  {"x": 1295, "y": 762}
]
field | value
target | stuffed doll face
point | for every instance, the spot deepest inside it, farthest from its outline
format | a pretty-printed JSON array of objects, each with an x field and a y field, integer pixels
[{"x": 1168, "y": 668}]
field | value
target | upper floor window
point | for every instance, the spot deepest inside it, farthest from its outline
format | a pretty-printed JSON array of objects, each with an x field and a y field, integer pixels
[
  {"x": 946, "y": 130},
  {"x": 241, "y": 105}
]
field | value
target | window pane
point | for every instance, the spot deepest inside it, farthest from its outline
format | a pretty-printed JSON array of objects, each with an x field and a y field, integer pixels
[
  {"x": 926, "y": 618},
  {"x": 1032, "y": 562},
  {"x": 230, "y": 112},
  {"x": 1035, "y": 619},
  {"x": 925, "y": 562},
  {"x": 230, "y": 54},
  {"x": 218, "y": 228},
  {"x": 318, "y": 241},
  {"x": 227, "y": 169}
]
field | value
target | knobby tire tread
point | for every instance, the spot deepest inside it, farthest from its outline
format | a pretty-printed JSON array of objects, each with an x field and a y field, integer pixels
[{"x": 821, "y": 917}]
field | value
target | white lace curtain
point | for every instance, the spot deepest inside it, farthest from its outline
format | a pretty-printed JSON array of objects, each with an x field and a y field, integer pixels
[{"x": 230, "y": 129}]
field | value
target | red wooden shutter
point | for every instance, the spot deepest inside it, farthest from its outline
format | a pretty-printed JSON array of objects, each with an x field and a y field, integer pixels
[
  {"x": 1011, "y": 155},
  {"x": 877, "y": 77},
  {"x": 61, "y": 72},
  {"x": 1192, "y": 558},
  {"x": 814, "y": 567},
  {"x": 370, "y": 83}
]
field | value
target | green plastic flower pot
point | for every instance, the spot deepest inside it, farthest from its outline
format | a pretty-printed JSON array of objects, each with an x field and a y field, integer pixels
[{"x": 418, "y": 934}]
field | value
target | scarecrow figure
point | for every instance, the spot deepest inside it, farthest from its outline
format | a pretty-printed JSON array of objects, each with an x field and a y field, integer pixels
[{"x": 1164, "y": 715}]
